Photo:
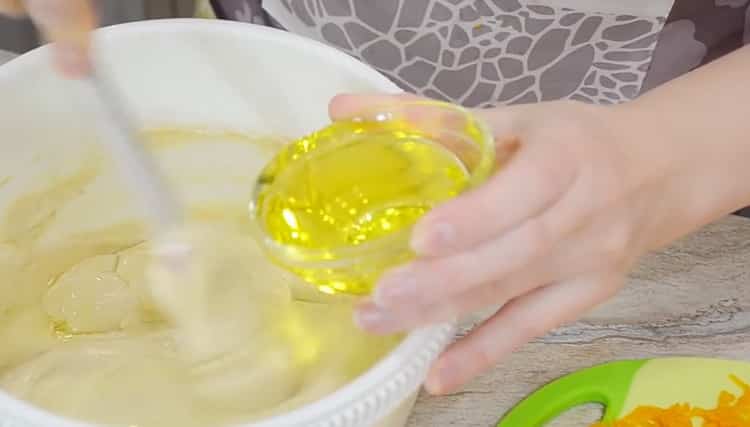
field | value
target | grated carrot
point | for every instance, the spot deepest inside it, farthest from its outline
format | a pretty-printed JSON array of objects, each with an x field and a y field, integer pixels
[{"x": 730, "y": 411}]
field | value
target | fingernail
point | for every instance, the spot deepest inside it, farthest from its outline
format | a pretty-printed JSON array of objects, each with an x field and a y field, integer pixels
[
  {"x": 431, "y": 239},
  {"x": 339, "y": 108},
  {"x": 433, "y": 383},
  {"x": 368, "y": 317},
  {"x": 396, "y": 288}
]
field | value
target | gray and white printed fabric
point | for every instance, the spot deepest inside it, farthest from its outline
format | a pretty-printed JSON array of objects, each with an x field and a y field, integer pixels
[{"x": 482, "y": 53}]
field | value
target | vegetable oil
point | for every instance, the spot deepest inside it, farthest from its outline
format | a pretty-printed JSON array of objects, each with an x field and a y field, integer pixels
[{"x": 349, "y": 185}]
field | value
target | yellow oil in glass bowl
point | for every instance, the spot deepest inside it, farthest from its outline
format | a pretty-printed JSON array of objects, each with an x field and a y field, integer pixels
[{"x": 336, "y": 207}]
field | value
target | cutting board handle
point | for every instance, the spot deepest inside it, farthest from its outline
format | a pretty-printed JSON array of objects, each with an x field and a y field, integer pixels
[{"x": 604, "y": 384}]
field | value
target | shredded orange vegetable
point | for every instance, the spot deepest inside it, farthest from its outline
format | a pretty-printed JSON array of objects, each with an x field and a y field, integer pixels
[{"x": 730, "y": 411}]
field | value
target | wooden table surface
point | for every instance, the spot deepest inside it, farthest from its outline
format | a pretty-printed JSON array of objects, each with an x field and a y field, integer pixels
[{"x": 692, "y": 299}]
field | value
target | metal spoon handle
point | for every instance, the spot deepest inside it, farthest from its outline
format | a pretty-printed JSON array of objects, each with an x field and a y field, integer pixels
[{"x": 137, "y": 166}]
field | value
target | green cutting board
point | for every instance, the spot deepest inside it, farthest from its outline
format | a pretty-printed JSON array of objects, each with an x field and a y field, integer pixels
[{"x": 623, "y": 386}]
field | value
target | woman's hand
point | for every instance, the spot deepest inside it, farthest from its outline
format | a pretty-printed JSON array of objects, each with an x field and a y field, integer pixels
[
  {"x": 588, "y": 191},
  {"x": 67, "y": 23}
]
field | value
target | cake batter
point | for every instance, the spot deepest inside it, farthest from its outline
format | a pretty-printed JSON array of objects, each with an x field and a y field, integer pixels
[{"x": 100, "y": 327}]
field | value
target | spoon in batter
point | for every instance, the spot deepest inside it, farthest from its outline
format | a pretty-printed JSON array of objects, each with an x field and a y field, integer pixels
[
  {"x": 123, "y": 142},
  {"x": 191, "y": 268},
  {"x": 179, "y": 277}
]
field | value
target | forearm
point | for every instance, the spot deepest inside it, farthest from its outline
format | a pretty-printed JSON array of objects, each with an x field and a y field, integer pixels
[{"x": 698, "y": 128}]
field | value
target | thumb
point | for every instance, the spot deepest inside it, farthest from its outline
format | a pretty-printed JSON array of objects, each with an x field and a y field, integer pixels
[
  {"x": 346, "y": 105},
  {"x": 13, "y": 8},
  {"x": 68, "y": 24}
]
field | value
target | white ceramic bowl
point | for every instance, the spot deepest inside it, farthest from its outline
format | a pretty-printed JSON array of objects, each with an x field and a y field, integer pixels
[{"x": 215, "y": 75}]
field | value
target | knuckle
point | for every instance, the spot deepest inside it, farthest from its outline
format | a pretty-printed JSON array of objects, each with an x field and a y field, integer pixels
[
  {"x": 515, "y": 284},
  {"x": 446, "y": 272},
  {"x": 528, "y": 331},
  {"x": 549, "y": 170},
  {"x": 554, "y": 168},
  {"x": 463, "y": 271},
  {"x": 498, "y": 292},
  {"x": 484, "y": 354},
  {"x": 536, "y": 237},
  {"x": 616, "y": 242},
  {"x": 450, "y": 275}
]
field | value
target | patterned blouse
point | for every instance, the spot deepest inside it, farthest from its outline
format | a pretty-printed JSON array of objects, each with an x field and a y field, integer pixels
[{"x": 483, "y": 53}]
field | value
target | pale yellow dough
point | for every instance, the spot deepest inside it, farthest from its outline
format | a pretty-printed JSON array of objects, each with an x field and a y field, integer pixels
[{"x": 94, "y": 326}]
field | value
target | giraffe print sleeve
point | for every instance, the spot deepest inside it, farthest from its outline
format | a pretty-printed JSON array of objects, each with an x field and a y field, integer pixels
[
  {"x": 696, "y": 33},
  {"x": 250, "y": 11},
  {"x": 483, "y": 53}
]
